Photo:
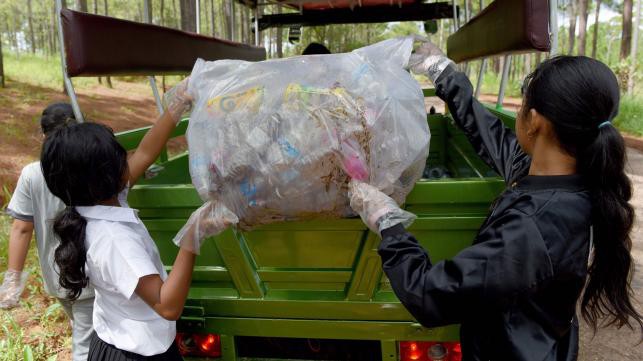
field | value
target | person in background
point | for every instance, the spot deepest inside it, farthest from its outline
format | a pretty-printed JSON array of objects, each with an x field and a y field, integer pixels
[
  {"x": 560, "y": 232},
  {"x": 315, "y": 48},
  {"x": 33, "y": 208}
]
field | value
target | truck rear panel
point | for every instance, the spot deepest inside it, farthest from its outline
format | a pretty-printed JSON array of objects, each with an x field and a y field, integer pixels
[{"x": 317, "y": 279}]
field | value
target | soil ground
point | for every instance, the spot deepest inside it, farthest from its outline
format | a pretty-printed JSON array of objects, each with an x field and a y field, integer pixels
[{"x": 130, "y": 105}]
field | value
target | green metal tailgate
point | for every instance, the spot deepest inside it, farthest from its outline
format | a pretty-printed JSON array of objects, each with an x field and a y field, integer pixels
[{"x": 316, "y": 279}]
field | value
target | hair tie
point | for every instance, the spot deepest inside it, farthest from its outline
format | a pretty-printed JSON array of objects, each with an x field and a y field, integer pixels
[{"x": 604, "y": 124}]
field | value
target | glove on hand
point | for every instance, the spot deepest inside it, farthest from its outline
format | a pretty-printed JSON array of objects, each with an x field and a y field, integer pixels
[
  {"x": 377, "y": 210},
  {"x": 207, "y": 221},
  {"x": 428, "y": 60},
  {"x": 177, "y": 101},
  {"x": 11, "y": 288}
]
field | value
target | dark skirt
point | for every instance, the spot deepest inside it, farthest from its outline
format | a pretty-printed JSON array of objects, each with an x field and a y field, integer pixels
[{"x": 100, "y": 350}]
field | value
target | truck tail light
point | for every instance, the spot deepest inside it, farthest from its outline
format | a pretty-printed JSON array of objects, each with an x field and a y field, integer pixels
[
  {"x": 430, "y": 351},
  {"x": 197, "y": 344}
]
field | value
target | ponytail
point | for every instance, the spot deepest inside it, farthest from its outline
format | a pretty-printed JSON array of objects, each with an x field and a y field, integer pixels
[
  {"x": 580, "y": 96},
  {"x": 70, "y": 255},
  {"x": 608, "y": 292}
]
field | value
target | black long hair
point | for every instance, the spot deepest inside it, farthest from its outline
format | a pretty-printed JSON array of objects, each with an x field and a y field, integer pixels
[
  {"x": 580, "y": 97},
  {"x": 57, "y": 115},
  {"x": 83, "y": 165}
]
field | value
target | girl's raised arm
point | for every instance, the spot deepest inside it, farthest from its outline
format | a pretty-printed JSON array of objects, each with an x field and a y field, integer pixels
[
  {"x": 155, "y": 139},
  {"x": 496, "y": 144}
]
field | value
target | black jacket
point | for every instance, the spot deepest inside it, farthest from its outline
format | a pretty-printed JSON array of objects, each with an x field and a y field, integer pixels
[{"x": 515, "y": 289}]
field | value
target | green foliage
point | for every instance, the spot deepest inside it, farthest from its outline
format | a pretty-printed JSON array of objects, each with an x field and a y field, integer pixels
[
  {"x": 37, "y": 70},
  {"x": 491, "y": 85},
  {"x": 630, "y": 117},
  {"x": 403, "y": 29}
]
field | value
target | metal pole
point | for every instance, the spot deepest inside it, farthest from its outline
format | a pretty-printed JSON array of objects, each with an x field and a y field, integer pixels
[
  {"x": 483, "y": 64},
  {"x": 634, "y": 49},
  {"x": 68, "y": 84},
  {"x": 455, "y": 17},
  {"x": 503, "y": 82},
  {"x": 483, "y": 68},
  {"x": 155, "y": 90},
  {"x": 233, "y": 19},
  {"x": 467, "y": 14},
  {"x": 553, "y": 27},
  {"x": 198, "y": 16}
]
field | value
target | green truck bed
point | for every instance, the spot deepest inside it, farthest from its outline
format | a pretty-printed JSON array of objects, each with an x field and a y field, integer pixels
[{"x": 316, "y": 279}]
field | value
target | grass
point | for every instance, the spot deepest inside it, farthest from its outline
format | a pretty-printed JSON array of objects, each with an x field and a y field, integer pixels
[
  {"x": 38, "y": 328},
  {"x": 630, "y": 117},
  {"x": 38, "y": 70},
  {"x": 46, "y": 71}
]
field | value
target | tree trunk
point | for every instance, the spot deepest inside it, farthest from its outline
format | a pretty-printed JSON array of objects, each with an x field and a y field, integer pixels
[
  {"x": 16, "y": 30},
  {"x": 81, "y": 5},
  {"x": 270, "y": 43},
  {"x": 100, "y": 80},
  {"x": 139, "y": 18},
  {"x": 32, "y": 38},
  {"x": 188, "y": 15},
  {"x": 229, "y": 18},
  {"x": 42, "y": 34},
  {"x": 242, "y": 25},
  {"x": 213, "y": 18},
  {"x": 635, "y": 39},
  {"x": 280, "y": 33},
  {"x": 571, "y": 8},
  {"x": 52, "y": 30},
  {"x": 162, "y": 17},
  {"x": 626, "y": 35},
  {"x": 582, "y": 25},
  {"x": 2, "y": 84},
  {"x": 149, "y": 17},
  {"x": 175, "y": 15},
  {"x": 596, "y": 16},
  {"x": 108, "y": 80},
  {"x": 527, "y": 68}
]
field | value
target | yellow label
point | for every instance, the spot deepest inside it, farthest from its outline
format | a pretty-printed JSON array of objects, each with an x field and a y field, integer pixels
[{"x": 250, "y": 99}]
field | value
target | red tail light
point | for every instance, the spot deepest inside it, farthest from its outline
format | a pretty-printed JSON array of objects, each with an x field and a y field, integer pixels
[
  {"x": 430, "y": 351},
  {"x": 195, "y": 344}
]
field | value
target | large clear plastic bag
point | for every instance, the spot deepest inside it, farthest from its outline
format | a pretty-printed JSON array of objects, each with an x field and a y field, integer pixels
[{"x": 280, "y": 139}]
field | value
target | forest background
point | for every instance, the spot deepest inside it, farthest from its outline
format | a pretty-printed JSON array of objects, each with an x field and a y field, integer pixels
[{"x": 30, "y": 78}]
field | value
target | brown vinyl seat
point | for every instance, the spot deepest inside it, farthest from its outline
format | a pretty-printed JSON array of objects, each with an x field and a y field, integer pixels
[
  {"x": 505, "y": 26},
  {"x": 101, "y": 46}
]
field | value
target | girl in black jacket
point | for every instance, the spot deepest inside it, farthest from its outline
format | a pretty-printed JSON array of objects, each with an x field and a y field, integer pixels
[{"x": 559, "y": 232}]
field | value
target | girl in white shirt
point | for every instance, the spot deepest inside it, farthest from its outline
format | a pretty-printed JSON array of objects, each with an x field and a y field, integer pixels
[{"x": 103, "y": 241}]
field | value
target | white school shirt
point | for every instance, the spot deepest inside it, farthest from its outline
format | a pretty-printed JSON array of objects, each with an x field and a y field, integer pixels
[
  {"x": 119, "y": 252},
  {"x": 33, "y": 202}
]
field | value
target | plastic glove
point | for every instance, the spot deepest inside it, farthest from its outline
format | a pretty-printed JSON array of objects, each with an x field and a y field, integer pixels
[
  {"x": 428, "y": 60},
  {"x": 12, "y": 287},
  {"x": 177, "y": 101},
  {"x": 209, "y": 220},
  {"x": 376, "y": 209}
]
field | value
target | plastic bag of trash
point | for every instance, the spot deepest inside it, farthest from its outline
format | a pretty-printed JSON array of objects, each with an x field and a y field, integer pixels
[{"x": 280, "y": 139}]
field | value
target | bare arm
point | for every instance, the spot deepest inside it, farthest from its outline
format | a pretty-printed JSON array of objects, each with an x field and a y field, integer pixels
[
  {"x": 151, "y": 146},
  {"x": 168, "y": 298},
  {"x": 19, "y": 239},
  {"x": 155, "y": 139}
]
